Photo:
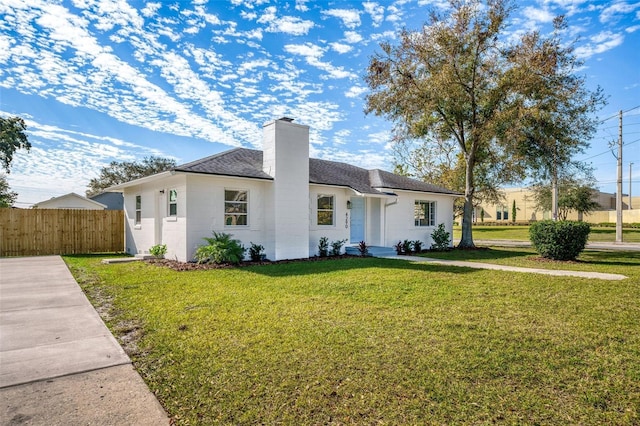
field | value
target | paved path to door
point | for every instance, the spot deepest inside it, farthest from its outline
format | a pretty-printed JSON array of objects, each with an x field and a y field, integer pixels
[{"x": 59, "y": 364}]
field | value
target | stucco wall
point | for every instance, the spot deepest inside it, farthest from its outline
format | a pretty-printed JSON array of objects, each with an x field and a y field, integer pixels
[
  {"x": 206, "y": 211},
  {"x": 400, "y": 223},
  {"x": 335, "y": 232},
  {"x": 156, "y": 227}
]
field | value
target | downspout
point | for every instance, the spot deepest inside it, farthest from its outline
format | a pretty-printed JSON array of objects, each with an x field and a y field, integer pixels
[{"x": 385, "y": 219}]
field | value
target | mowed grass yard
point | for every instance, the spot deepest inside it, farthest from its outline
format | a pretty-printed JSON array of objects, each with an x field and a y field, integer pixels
[
  {"x": 521, "y": 233},
  {"x": 380, "y": 341}
]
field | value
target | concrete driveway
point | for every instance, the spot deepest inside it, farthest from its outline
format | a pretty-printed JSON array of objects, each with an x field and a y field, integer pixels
[{"x": 59, "y": 364}]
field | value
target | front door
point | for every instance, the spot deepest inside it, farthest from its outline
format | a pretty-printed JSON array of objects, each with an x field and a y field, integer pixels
[{"x": 357, "y": 220}]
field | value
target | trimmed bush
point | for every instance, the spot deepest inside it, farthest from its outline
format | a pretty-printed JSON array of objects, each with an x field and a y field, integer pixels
[
  {"x": 440, "y": 238},
  {"x": 563, "y": 240}
]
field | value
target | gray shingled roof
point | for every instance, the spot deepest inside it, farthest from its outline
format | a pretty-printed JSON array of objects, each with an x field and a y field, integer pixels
[{"x": 242, "y": 162}]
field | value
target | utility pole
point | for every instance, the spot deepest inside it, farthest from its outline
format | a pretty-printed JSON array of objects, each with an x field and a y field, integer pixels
[
  {"x": 619, "y": 194},
  {"x": 630, "y": 164},
  {"x": 554, "y": 184}
]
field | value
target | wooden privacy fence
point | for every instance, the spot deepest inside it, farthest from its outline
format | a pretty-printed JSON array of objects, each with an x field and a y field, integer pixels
[{"x": 55, "y": 231}]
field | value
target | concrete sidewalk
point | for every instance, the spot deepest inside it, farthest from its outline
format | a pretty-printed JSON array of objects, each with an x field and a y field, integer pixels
[
  {"x": 59, "y": 364},
  {"x": 480, "y": 265}
]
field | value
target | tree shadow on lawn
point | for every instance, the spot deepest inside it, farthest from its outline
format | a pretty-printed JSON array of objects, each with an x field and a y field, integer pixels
[
  {"x": 610, "y": 258},
  {"x": 478, "y": 254},
  {"x": 296, "y": 268}
]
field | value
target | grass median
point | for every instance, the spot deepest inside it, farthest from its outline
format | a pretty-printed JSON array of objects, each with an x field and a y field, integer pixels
[
  {"x": 521, "y": 233},
  {"x": 363, "y": 341}
]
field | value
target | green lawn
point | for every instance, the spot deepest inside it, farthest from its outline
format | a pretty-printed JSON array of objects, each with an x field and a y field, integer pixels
[
  {"x": 521, "y": 233},
  {"x": 375, "y": 341}
]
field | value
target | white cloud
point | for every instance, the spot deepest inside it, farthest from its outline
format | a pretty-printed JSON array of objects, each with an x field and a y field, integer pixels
[
  {"x": 599, "y": 43},
  {"x": 376, "y": 11},
  {"x": 301, "y": 5},
  {"x": 352, "y": 37},
  {"x": 285, "y": 24},
  {"x": 538, "y": 15},
  {"x": 356, "y": 91},
  {"x": 611, "y": 13},
  {"x": 312, "y": 54},
  {"x": 341, "y": 47},
  {"x": 150, "y": 9},
  {"x": 349, "y": 17}
]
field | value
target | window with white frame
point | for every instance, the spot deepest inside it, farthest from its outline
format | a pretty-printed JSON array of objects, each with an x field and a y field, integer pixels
[
  {"x": 424, "y": 213},
  {"x": 236, "y": 207},
  {"x": 138, "y": 218},
  {"x": 502, "y": 213},
  {"x": 325, "y": 211},
  {"x": 173, "y": 203}
]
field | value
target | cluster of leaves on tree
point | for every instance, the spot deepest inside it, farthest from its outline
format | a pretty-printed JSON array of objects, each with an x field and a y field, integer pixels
[
  {"x": 7, "y": 197},
  {"x": 13, "y": 136},
  {"x": 510, "y": 109},
  {"x": 573, "y": 195},
  {"x": 125, "y": 171}
]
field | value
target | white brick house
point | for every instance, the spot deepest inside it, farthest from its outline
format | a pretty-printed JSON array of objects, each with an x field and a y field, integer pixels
[{"x": 281, "y": 199}]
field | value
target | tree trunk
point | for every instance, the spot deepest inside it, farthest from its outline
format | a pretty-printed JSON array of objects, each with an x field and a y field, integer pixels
[{"x": 466, "y": 241}]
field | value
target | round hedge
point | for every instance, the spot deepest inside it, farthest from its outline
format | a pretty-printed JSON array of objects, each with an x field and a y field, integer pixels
[{"x": 562, "y": 240}]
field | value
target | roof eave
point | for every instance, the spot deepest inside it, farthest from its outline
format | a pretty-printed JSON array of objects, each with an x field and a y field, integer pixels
[{"x": 140, "y": 181}]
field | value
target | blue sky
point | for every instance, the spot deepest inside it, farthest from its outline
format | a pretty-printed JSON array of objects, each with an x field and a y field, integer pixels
[{"x": 104, "y": 80}]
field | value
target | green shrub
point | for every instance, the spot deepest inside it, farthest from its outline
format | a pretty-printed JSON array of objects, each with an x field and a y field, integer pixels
[
  {"x": 440, "y": 238},
  {"x": 562, "y": 240},
  {"x": 363, "y": 248},
  {"x": 323, "y": 247},
  {"x": 256, "y": 252},
  {"x": 336, "y": 247},
  {"x": 159, "y": 250},
  {"x": 407, "y": 247},
  {"x": 417, "y": 246},
  {"x": 221, "y": 248},
  {"x": 399, "y": 248}
]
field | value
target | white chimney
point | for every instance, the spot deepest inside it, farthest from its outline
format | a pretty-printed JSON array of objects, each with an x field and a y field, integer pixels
[{"x": 286, "y": 159}]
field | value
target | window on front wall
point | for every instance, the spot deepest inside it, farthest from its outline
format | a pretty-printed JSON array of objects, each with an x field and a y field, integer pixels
[
  {"x": 325, "y": 209},
  {"x": 236, "y": 207},
  {"x": 502, "y": 213},
  {"x": 138, "y": 219},
  {"x": 173, "y": 202},
  {"x": 425, "y": 213}
]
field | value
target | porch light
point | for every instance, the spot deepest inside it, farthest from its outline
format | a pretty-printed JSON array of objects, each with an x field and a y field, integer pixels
[{"x": 349, "y": 204}]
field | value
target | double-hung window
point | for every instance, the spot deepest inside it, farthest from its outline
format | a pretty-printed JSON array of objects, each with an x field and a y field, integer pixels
[
  {"x": 424, "y": 213},
  {"x": 236, "y": 203},
  {"x": 325, "y": 210},
  {"x": 173, "y": 203},
  {"x": 138, "y": 219}
]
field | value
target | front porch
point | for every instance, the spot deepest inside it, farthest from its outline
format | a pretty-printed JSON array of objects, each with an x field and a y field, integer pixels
[{"x": 375, "y": 251}]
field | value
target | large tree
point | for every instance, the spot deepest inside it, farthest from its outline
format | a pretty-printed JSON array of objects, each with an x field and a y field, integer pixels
[
  {"x": 13, "y": 136},
  {"x": 124, "y": 171},
  {"x": 502, "y": 103}
]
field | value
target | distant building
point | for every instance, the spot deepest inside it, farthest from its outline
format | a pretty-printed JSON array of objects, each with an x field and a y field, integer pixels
[
  {"x": 113, "y": 200},
  {"x": 70, "y": 201},
  {"x": 526, "y": 210}
]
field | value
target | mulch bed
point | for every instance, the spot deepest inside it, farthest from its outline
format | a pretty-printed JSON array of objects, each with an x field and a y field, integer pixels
[{"x": 193, "y": 266}]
